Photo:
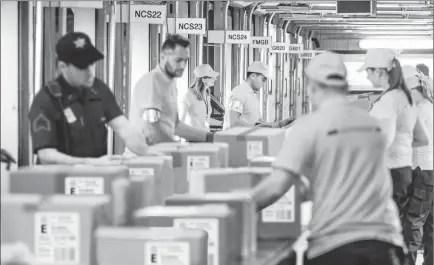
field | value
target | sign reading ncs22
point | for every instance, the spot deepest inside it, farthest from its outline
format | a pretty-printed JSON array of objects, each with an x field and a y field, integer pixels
[{"x": 152, "y": 14}]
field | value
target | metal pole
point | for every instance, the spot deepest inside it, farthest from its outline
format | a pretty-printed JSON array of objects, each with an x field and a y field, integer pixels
[
  {"x": 242, "y": 52},
  {"x": 250, "y": 27},
  {"x": 199, "y": 12},
  {"x": 223, "y": 57},
  {"x": 111, "y": 65}
]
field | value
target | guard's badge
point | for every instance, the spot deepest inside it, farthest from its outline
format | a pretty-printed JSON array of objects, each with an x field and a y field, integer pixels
[
  {"x": 80, "y": 43},
  {"x": 41, "y": 123}
]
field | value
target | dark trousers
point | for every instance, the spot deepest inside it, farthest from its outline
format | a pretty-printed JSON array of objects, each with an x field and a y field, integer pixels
[
  {"x": 418, "y": 220},
  {"x": 402, "y": 179},
  {"x": 369, "y": 252}
]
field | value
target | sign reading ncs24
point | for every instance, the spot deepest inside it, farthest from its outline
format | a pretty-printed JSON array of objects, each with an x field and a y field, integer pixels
[
  {"x": 191, "y": 26},
  {"x": 237, "y": 37},
  {"x": 152, "y": 14}
]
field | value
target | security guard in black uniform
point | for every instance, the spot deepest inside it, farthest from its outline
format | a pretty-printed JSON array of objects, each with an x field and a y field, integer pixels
[{"x": 68, "y": 116}]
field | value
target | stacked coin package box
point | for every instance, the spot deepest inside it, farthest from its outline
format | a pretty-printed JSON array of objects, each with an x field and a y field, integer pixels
[{"x": 186, "y": 206}]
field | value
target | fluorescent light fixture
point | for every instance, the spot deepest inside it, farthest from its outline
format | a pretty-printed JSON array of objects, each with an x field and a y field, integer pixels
[{"x": 422, "y": 44}]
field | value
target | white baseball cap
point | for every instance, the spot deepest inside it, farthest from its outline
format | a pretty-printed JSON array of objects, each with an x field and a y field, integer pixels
[
  {"x": 260, "y": 68},
  {"x": 327, "y": 68},
  {"x": 378, "y": 58},
  {"x": 204, "y": 70}
]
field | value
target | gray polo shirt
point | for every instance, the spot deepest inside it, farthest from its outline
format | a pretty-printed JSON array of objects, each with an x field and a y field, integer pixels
[
  {"x": 156, "y": 91},
  {"x": 245, "y": 101},
  {"x": 340, "y": 149}
]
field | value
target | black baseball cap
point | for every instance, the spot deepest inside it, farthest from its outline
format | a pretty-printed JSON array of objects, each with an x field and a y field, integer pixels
[
  {"x": 76, "y": 48},
  {"x": 423, "y": 68}
]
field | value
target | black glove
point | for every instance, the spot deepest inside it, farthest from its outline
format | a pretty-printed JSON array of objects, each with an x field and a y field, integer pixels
[
  {"x": 7, "y": 158},
  {"x": 210, "y": 137},
  {"x": 286, "y": 122}
]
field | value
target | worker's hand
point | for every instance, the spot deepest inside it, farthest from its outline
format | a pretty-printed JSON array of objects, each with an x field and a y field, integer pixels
[
  {"x": 263, "y": 125},
  {"x": 286, "y": 122},
  {"x": 103, "y": 161}
]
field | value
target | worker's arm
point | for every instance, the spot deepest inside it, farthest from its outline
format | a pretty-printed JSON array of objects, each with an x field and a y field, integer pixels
[
  {"x": 147, "y": 102},
  {"x": 192, "y": 134},
  {"x": 289, "y": 168},
  {"x": 236, "y": 109},
  {"x": 133, "y": 138}
]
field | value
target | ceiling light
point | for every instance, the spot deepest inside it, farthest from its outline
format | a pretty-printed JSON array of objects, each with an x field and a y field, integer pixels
[{"x": 422, "y": 44}]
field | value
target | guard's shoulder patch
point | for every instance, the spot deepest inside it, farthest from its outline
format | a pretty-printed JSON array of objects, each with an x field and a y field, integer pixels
[{"x": 41, "y": 123}]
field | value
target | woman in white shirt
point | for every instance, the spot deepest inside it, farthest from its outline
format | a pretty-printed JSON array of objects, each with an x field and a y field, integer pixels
[
  {"x": 397, "y": 115},
  {"x": 418, "y": 220},
  {"x": 196, "y": 106}
]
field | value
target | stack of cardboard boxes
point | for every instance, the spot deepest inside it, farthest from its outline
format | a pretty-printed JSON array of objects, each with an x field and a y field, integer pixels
[{"x": 191, "y": 207}]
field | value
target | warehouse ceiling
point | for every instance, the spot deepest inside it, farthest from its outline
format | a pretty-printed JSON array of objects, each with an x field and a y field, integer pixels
[{"x": 401, "y": 18}]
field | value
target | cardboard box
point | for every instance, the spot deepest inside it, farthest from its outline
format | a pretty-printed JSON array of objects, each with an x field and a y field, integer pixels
[
  {"x": 189, "y": 157},
  {"x": 160, "y": 167},
  {"x": 141, "y": 194},
  {"x": 282, "y": 220},
  {"x": 156, "y": 245},
  {"x": 247, "y": 143},
  {"x": 58, "y": 228},
  {"x": 226, "y": 179},
  {"x": 77, "y": 180},
  {"x": 244, "y": 229},
  {"x": 216, "y": 220}
]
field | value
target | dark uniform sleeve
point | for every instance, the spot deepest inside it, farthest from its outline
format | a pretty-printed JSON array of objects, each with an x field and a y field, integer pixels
[
  {"x": 42, "y": 120},
  {"x": 111, "y": 106}
]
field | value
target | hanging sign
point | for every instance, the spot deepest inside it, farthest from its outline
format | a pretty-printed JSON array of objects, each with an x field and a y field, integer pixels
[
  {"x": 279, "y": 47},
  {"x": 191, "y": 26},
  {"x": 238, "y": 37},
  {"x": 295, "y": 48},
  {"x": 309, "y": 54},
  {"x": 261, "y": 42},
  {"x": 152, "y": 14}
]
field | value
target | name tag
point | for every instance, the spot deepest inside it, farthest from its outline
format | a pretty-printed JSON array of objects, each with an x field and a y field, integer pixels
[{"x": 70, "y": 117}]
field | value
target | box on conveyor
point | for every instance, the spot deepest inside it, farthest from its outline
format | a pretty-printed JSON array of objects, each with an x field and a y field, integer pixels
[
  {"x": 82, "y": 180},
  {"x": 245, "y": 226},
  {"x": 151, "y": 245},
  {"x": 56, "y": 228},
  {"x": 226, "y": 179},
  {"x": 158, "y": 166},
  {"x": 189, "y": 157},
  {"x": 216, "y": 220},
  {"x": 282, "y": 220},
  {"x": 247, "y": 143}
]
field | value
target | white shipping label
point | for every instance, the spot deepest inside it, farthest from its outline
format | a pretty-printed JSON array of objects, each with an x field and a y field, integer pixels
[
  {"x": 142, "y": 172},
  {"x": 254, "y": 149},
  {"x": 282, "y": 211},
  {"x": 167, "y": 253},
  {"x": 57, "y": 238},
  {"x": 211, "y": 226},
  {"x": 84, "y": 186},
  {"x": 196, "y": 162}
]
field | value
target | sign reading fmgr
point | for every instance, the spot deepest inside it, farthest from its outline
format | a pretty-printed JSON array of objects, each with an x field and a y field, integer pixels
[
  {"x": 191, "y": 26},
  {"x": 261, "y": 42},
  {"x": 238, "y": 37},
  {"x": 152, "y": 14}
]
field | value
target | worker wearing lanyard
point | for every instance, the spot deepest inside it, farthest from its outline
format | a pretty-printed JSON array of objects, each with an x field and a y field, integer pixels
[
  {"x": 68, "y": 116},
  {"x": 244, "y": 107},
  {"x": 196, "y": 106},
  {"x": 418, "y": 219},
  {"x": 340, "y": 149},
  {"x": 397, "y": 115},
  {"x": 154, "y": 106}
]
